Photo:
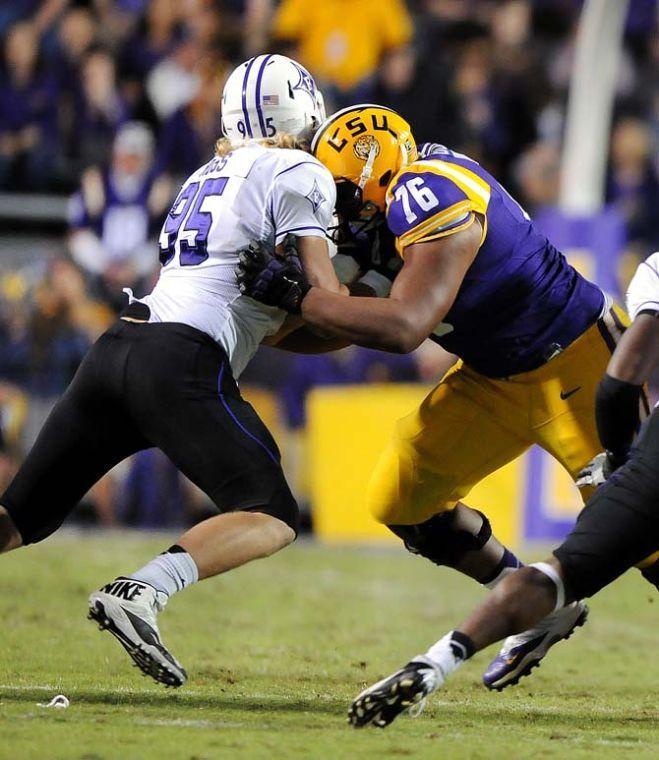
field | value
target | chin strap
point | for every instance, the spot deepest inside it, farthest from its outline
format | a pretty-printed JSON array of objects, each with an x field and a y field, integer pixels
[
  {"x": 367, "y": 171},
  {"x": 546, "y": 569}
]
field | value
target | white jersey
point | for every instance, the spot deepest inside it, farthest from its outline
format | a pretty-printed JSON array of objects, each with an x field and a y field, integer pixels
[
  {"x": 643, "y": 291},
  {"x": 254, "y": 193}
]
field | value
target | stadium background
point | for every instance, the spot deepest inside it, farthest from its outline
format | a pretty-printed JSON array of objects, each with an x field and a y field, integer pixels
[{"x": 133, "y": 88}]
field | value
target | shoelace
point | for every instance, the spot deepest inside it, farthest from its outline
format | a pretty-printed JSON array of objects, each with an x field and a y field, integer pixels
[{"x": 417, "y": 708}]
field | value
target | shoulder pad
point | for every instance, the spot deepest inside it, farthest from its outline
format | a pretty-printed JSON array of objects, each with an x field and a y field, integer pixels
[{"x": 432, "y": 198}]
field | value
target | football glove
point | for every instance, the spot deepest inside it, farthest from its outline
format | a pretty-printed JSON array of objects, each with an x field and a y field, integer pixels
[
  {"x": 271, "y": 279},
  {"x": 597, "y": 471}
]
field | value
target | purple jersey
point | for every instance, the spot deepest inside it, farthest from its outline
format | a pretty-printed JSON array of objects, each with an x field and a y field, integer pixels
[
  {"x": 520, "y": 301},
  {"x": 122, "y": 218}
]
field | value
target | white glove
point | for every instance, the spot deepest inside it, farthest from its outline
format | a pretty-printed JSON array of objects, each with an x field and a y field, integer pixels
[{"x": 596, "y": 472}]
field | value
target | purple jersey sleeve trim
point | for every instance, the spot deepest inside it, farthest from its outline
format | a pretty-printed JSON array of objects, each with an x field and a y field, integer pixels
[
  {"x": 300, "y": 229},
  {"x": 290, "y": 168}
]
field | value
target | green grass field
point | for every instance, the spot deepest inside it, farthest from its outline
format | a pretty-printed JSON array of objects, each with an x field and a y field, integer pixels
[{"x": 276, "y": 650}]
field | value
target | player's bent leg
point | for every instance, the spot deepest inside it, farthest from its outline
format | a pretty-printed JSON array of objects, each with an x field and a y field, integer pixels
[
  {"x": 230, "y": 540},
  {"x": 519, "y": 602},
  {"x": 619, "y": 526},
  {"x": 128, "y": 606},
  {"x": 86, "y": 434},
  {"x": 466, "y": 428},
  {"x": 460, "y": 538},
  {"x": 218, "y": 441},
  {"x": 532, "y": 621}
]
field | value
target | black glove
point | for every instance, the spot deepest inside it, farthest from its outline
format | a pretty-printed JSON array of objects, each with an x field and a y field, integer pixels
[{"x": 271, "y": 279}]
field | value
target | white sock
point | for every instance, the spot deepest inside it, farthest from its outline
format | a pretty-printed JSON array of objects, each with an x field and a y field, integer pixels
[
  {"x": 170, "y": 571},
  {"x": 449, "y": 653}
]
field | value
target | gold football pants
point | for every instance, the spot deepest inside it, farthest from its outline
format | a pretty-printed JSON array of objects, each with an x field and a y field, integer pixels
[{"x": 471, "y": 425}]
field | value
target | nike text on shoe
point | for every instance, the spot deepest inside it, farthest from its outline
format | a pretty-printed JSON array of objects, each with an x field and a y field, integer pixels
[
  {"x": 127, "y": 609},
  {"x": 406, "y": 689},
  {"x": 523, "y": 652}
]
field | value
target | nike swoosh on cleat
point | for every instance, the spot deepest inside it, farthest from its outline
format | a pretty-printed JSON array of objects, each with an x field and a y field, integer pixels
[
  {"x": 144, "y": 629},
  {"x": 567, "y": 394}
]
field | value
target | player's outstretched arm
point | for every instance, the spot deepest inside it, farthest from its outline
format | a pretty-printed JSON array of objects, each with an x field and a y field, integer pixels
[
  {"x": 420, "y": 298},
  {"x": 294, "y": 335}
]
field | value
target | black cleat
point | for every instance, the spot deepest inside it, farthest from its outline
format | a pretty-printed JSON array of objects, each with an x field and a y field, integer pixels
[{"x": 407, "y": 689}]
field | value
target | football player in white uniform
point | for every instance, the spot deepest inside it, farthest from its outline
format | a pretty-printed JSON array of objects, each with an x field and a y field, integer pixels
[
  {"x": 165, "y": 374},
  {"x": 617, "y": 529}
]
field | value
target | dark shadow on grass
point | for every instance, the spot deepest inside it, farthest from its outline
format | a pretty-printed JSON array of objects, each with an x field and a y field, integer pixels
[
  {"x": 337, "y": 707},
  {"x": 276, "y": 704}
]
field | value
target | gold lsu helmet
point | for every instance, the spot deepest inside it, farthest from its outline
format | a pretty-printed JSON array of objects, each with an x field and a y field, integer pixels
[{"x": 363, "y": 146}]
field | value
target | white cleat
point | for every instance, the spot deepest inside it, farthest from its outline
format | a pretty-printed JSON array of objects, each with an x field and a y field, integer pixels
[
  {"x": 127, "y": 609},
  {"x": 523, "y": 652}
]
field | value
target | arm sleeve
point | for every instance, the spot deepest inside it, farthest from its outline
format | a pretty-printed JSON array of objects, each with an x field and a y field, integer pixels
[
  {"x": 302, "y": 201},
  {"x": 643, "y": 291},
  {"x": 428, "y": 202},
  {"x": 617, "y": 416}
]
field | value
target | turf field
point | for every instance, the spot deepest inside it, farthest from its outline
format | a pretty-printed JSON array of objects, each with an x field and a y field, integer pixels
[{"x": 276, "y": 650}]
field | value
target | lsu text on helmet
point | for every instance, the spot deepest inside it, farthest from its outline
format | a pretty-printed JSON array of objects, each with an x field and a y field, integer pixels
[{"x": 363, "y": 146}]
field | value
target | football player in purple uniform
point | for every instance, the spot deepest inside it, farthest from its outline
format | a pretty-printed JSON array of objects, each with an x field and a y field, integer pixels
[
  {"x": 479, "y": 278},
  {"x": 618, "y": 527}
]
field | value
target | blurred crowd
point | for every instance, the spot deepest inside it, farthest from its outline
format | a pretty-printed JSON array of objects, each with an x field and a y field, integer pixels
[
  {"x": 488, "y": 77},
  {"x": 112, "y": 102}
]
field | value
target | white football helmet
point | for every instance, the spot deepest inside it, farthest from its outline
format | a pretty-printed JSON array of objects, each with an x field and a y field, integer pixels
[{"x": 270, "y": 94}]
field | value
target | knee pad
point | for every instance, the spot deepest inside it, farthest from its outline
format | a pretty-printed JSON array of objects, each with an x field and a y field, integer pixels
[{"x": 442, "y": 539}]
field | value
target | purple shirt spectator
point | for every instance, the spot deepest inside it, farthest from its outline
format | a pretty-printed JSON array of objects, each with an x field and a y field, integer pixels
[{"x": 28, "y": 112}]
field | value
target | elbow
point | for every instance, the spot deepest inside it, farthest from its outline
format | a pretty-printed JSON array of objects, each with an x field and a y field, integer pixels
[{"x": 408, "y": 337}]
